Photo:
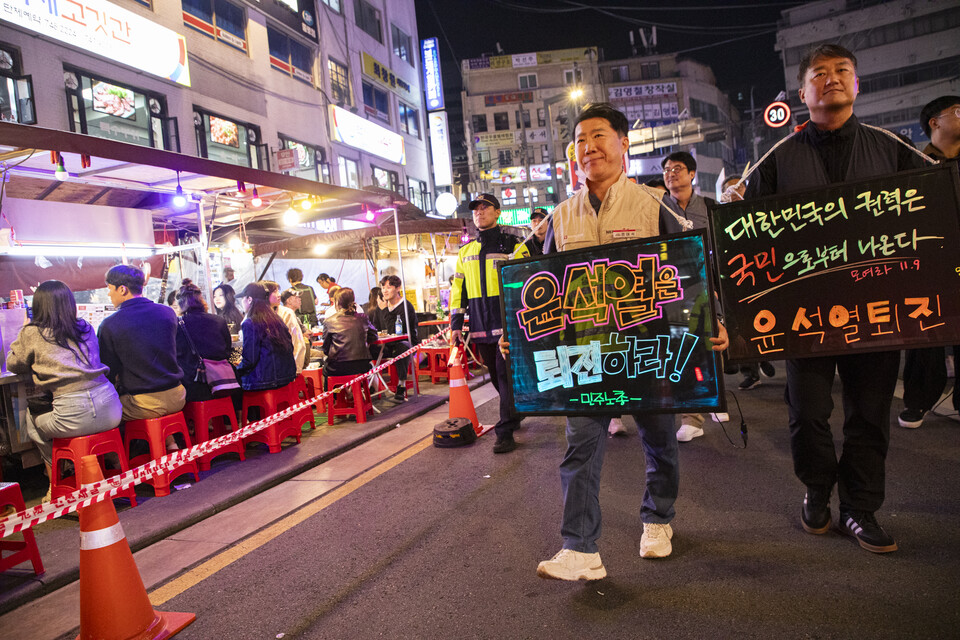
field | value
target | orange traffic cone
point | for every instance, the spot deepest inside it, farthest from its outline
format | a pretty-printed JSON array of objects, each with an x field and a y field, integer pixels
[
  {"x": 113, "y": 601},
  {"x": 461, "y": 404}
]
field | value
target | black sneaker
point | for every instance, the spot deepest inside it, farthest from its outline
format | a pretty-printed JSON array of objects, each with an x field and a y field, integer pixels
[
  {"x": 750, "y": 382},
  {"x": 767, "y": 369},
  {"x": 863, "y": 526},
  {"x": 911, "y": 418},
  {"x": 399, "y": 396},
  {"x": 505, "y": 444},
  {"x": 815, "y": 514}
]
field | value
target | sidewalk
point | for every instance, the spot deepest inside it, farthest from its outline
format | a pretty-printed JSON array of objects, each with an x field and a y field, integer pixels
[{"x": 226, "y": 484}]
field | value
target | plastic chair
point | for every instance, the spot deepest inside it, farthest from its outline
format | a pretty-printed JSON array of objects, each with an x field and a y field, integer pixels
[
  {"x": 14, "y": 552},
  {"x": 73, "y": 449},
  {"x": 412, "y": 381},
  {"x": 299, "y": 391},
  {"x": 337, "y": 404},
  {"x": 269, "y": 401},
  {"x": 435, "y": 365},
  {"x": 216, "y": 413},
  {"x": 155, "y": 431}
]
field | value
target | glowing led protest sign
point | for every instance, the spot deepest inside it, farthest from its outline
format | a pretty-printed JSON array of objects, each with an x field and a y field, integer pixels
[
  {"x": 360, "y": 133},
  {"x": 108, "y": 30},
  {"x": 872, "y": 265},
  {"x": 617, "y": 329}
]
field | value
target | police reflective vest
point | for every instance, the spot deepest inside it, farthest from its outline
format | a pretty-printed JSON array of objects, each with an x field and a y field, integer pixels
[{"x": 476, "y": 287}]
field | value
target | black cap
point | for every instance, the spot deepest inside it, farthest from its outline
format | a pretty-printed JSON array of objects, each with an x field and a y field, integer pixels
[
  {"x": 485, "y": 198},
  {"x": 539, "y": 212},
  {"x": 256, "y": 291}
]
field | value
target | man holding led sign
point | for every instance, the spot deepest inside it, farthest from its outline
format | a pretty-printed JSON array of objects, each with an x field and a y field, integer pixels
[{"x": 609, "y": 209}]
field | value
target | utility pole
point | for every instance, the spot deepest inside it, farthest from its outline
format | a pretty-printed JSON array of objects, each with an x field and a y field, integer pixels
[{"x": 526, "y": 159}]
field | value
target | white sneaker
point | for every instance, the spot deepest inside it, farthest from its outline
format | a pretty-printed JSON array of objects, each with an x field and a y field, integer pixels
[
  {"x": 616, "y": 427},
  {"x": 572, "y": 565},
  {"x": 655, "y": 541},
  {"x": 720, "y": 417},
  {"x": 688, "y": 432}
]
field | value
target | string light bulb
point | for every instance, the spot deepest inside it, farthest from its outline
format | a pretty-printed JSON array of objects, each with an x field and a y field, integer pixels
[
  {"x": 179, "y": 199},
  {"x": 306, "y": 204},
  {"x": 257, "y": 200},
  {"x": 291, "y": 218},
  {"x": 60, "y": 173}
]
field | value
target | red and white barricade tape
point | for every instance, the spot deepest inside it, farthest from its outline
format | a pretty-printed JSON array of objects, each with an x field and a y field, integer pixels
[{"x": 106, "y": 489}]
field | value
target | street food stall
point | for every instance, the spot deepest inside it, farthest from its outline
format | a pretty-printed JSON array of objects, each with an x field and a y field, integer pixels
[{"x": 72, "y": 205}]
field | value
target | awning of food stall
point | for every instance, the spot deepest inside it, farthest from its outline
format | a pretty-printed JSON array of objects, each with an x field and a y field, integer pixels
[{"x": 102, "y": 172}]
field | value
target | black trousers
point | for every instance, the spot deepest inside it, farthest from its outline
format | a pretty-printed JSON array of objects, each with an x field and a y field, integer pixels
[
  {"x": 868, "y": 382},
  {"x": 492, "y": 357},
  {"x": 390, "y": 350},
  {"x": 925, "y": 376}
]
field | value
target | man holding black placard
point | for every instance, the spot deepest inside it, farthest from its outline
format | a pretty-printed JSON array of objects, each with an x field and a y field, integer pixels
[
  {"x": 608, "y": 209},
  {"x": 925, "y": 371},
  {"x": 834, "y": 147}
]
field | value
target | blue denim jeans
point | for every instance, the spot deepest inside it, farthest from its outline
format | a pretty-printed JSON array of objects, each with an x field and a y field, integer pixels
[
  {"x": 82, "y": 413},
  {"x": 583, "y": 462}
]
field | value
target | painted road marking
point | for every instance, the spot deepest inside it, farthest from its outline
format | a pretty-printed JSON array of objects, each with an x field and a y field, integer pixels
[{"x": 208, "y": 568}]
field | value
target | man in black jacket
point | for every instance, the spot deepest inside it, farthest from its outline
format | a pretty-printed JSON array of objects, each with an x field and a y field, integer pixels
[
  {"x": 398, "y": 308},
  {"x": 139, "y": 344},
  {"x": 834, "y": 147}
]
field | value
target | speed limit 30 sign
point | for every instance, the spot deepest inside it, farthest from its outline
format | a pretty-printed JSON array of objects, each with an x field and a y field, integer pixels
[{"x": 777, "y": 114}]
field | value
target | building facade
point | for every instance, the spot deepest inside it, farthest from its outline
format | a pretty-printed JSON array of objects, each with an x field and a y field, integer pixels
[
  {"x": 908, "y": 53},
  {"x": 659, "y": 90},
  {"x": 514, "y": 104},
  {"x": 508, "y": 130},
  {"x": 336, "y": 81}
]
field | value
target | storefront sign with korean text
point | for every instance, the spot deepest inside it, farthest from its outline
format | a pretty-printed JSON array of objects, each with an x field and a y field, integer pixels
[
  {"x": 871, "y": 265},
  {"x": 614, "y": 329}
]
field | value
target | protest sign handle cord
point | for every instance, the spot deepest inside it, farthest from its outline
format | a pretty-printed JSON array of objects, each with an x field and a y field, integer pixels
[{"x": 743, "y": 424}]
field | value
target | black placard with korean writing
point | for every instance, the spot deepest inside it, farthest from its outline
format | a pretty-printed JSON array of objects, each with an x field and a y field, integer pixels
[
  {"x": 872, "y": 265},
  {"x": 610, "y": 330}
]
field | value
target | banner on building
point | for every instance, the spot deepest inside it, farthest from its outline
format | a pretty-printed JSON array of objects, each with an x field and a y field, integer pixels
[
  {"x": 614, "y": 329},
  {"x": 864, "y": 266}
]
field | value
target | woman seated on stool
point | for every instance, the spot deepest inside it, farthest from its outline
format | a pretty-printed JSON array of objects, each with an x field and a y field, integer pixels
[
  {"x": 62, "y": 354},
  {"x": 347, "y": 336},
  {"x": 209, "y": 333},
  {"x": 225, "y": 303},
  {"x": 267, "y": 361}
]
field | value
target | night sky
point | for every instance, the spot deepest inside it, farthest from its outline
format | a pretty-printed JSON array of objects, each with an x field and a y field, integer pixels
[{"x": 471, "y": 28}]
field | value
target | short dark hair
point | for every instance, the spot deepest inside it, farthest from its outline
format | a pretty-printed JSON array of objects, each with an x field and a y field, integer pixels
[
  {"x": 824, "y": 51},
  {"x": 733, "y": 179},
  {"x": 323, "y": 277},
  {"x": 287, "y": 294},
  {"x": 680, "y": 156},
  {"x": 125, "y": 275},
  {"x": 656, "y": 183},
  {"x": 608, "y": 112},
  {"x": 933, "y": 108},
  {"x": 393, "y": 281},
  {"x": 294, "y": 275}
]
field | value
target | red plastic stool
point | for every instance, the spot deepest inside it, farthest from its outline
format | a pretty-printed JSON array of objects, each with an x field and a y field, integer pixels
[
  {"x": 21, "y": 550},
  {"x": 155, "y": 431},
  {"x": 221, "y": 414},
  {"x": 269, "y": 401},
  {"x": 436, "y": 364},
  {"x": 300, "y": 391},
  {"x": 73, "y": 449},
  {"x": 314, "y": 380},
  {"x": 337, "y": 404},
  {"x": 412, "y": 381}
]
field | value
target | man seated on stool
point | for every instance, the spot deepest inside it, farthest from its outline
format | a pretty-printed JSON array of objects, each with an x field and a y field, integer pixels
[
  {"x": 396, "y": 308},
  {"x": 139, "y": 345}
]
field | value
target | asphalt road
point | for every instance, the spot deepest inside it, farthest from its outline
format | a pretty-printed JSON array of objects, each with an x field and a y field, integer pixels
[{"x": 445, "y": 545}]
